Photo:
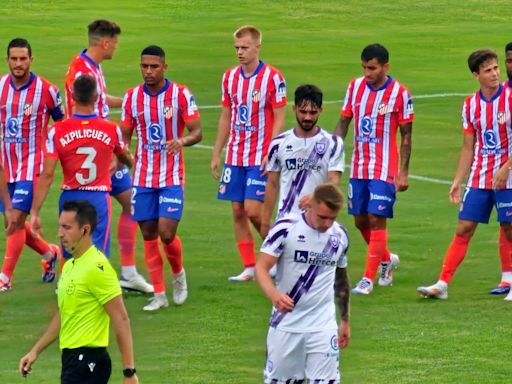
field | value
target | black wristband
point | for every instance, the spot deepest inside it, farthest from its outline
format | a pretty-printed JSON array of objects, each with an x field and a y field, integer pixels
[{"x": 129, "y": 372}]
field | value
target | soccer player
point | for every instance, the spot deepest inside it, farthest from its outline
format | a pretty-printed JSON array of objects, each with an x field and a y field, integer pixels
[
  {"x": 103, "y": 37},
  {"x": 84, "y": 144},
  {"x": 301, "y": 158},
  {"x": 310, "y": 253},
  {"x": 27, "y": 101},
  {"x": 505, "y": 253},
  {"x": 486, "y": 155},
  {"x": 89, "y": 296},
  {"x": 159, "y": 110},
  {"x": 379, "y": 106},
  {"x": 253, "y": 112}
]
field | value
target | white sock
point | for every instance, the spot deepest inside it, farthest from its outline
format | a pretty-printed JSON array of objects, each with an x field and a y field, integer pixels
[
  {"x": 506, "y": 277},
  {"x": 4, "y": 278}
]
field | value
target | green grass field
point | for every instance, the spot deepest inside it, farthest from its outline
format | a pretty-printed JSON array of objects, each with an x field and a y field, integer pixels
[{"x": 218, "y": 336}]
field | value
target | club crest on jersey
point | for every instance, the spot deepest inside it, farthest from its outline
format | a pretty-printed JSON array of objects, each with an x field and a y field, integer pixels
[
  {"x": 335, "y": 241},
  {"x": 12, "y": 127},
  {"x": 155, "y": 133},
  {"x": 256, "y": 95},
  {"x": 321, "y": 147},
  {"x": 501, "y": 117},
  {"x": 27, "y": 109},
  {"x": 366, "y": 125},
  {"x": 168, "y": 112},
  {"x": 489, "y": 139},
  {"x": 222, "y": 189},
  {"x": 383, "y": 109}
]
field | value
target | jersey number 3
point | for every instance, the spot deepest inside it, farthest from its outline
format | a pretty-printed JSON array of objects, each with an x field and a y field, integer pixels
[{"x": 88, "y": 165}]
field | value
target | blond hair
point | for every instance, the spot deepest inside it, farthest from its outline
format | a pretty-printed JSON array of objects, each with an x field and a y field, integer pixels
[{"x": 249, "y": 30}]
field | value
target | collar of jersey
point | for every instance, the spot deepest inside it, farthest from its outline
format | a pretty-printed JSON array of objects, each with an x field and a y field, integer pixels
[
  {"x": 88, "y": 58},
  {"x": 388, "y": 81},
  {"x": 80, "y": 116},
  {"x": 30, "y": 80},
  {"x": 494, "y": 97},
  {"x": 260, "y": 65},
  {"x": 164, "y": 88}
]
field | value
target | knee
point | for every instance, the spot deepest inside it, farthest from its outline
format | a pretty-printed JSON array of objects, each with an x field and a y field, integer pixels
[
  {"x": 167, "y": 237},
  {"x": 238, "y": 212},
  {"x": 253, "y": 214}
]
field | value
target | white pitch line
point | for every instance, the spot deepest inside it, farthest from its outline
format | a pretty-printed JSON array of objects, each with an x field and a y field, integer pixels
[{"x": 415, "y": 177}]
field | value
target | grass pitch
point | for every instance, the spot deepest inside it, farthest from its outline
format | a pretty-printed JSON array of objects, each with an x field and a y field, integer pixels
[{"x": 218, "y": 336}]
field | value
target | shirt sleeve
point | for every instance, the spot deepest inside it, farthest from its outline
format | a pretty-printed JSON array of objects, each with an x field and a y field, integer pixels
[
  {"x": 344, "y": 245},
  {"x": 126, "y": 111},
  {"x": 188, "y": 107},
  {"x": 274, "y": 243},
  {"x": 105, "y": 284},
  {"x": 406, "y": 112},
  {"x": 278, "y": 91},
  {"x": 274, "y": 164},
  {"x": 337, "y": 159},
  {"x": 225, "y": 100},
  {"x": 467, "y": 124},
  {"x": 54, "y": 103},
  {"x": 51, "y": 144},
  {"x": 119, "y": 143},
  {"x": 346, "y": 109}
]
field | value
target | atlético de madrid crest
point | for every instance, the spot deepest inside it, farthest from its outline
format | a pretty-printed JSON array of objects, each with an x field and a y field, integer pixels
[
  {"x": 27, "y": 109},
  {"x": 256, "y": 95},
  {"x": 168, "y": 112}
]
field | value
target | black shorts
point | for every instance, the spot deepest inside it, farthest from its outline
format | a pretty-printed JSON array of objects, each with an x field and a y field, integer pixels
[{"x": 85, "y": 365}]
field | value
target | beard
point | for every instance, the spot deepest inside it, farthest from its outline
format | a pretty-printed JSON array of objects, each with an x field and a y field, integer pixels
[{"x": 307, "y": 125}]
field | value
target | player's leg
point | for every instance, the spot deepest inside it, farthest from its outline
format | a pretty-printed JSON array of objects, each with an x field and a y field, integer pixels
[
  {"x": 127, "y": 233},
  {"x": 503, "y": 202},
  {"x": 505, "y": 253},
  {"x": 286, "y": 357},
  {"x": 170, "y": 211},
  {"x": 322, "y": 357},
  {"x": 145, "y": 212},
  {"x": 14, "y": 246},
  {"x": 476, "y": 208}
]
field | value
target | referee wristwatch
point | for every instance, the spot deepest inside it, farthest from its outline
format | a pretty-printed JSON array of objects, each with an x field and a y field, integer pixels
[{"x": 129, "y": 372}]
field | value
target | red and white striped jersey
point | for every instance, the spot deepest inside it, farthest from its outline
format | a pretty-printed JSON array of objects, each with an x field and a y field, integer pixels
[
  {"x": 490, "y": 122},
  {"x": 158, "y": 119},
  {"x": 85, "y": 144},
  {"x": 377, "y": 115},
  {"x": 24, "y": 116},
  {"x": 252, "y": 101},
  {"x": 82, "y": 64}
]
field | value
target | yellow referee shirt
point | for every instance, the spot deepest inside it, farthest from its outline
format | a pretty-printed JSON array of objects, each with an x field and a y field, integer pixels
[{"x": 86, "y": 284}]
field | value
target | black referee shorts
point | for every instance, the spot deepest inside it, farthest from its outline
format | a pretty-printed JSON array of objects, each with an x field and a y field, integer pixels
[{"x": 85, "y": 365}]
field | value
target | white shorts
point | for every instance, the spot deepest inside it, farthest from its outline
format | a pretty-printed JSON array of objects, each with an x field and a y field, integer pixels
[{"x": 292, "y": 357}]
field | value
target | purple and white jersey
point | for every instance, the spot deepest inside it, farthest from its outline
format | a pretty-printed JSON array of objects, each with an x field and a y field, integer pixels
[
  {"x": 303, "y": 164},
  {"x": 305, "y": 271}
]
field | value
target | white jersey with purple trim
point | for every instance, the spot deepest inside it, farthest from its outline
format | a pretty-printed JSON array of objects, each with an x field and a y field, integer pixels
[
  {"x": 305, "y": 271},
  {"x": 303, "y": 164}
]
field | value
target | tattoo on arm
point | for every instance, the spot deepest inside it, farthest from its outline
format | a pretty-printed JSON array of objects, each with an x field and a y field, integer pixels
[{"x": 342, "y": 292}]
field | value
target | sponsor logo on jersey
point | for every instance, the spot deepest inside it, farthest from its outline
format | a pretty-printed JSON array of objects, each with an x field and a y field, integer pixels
[
  {"x": 243, "y": 114},
  {"x": 366, "y": 125},
  {"x": 314, "y": 258},
  {"x": 489, "y": 139},
  {"x": 170, "y": 209},
  {"x": 192, "y": 103},
  {"x": 504, "y": 205},
  {"x": 251, "y": 181},
  {"x": 172, "y": 200},
  {"x": 20, "y": 191},
  {"x": 410, "y": 106},
  {"x": 155, "y": 133},
  {"x": 301, "y": 239},
  {"x": 289, "y": 148},
  {"x": 256, "y": 95},
  {"x": 381, "y": 207},
  {"x": 301, "y": 163},
  {"x": 168, "y": 112},
  {"x": 12, "y": 127},
  {"x": 374, "y": 196},
  {"x": 17, "y": 201},
  {"x": 27, "y": 109},
  {"x": 281, "y": 90},
  {"x": 259, "y": 192}
]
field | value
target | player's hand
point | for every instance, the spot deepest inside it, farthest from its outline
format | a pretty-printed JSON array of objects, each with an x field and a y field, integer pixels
[
  {"x": 25, "y": 365},
  {"x": 343, "y": 334},
  {"x": 35, "y": 225},
  {"x": 175, "y": 145},
  {"x": 305, "y": 201},
  {"x": 263, "y": 167},
  {"x": 9, "y": 226},
  {"x": 113, "y": 165},
  {"x": 499, "y": 180},
  {"x": 455, "y": 193},
  {"x": 131, "y": 380},
  {"x": 402, "y": 183},
  {"x": 214, "y": 167},
  {"x": 283, "y": 302}
]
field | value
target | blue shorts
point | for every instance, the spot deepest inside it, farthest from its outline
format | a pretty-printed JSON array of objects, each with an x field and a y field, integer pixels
[
  {"x": 153, "y": 203},
  {"x": 477, "y": 205},
  {"x": 102, "y": 203},
  {"x": 121, "y": 181},
  {"x": 242, "y": 183},
  {"x": 371, "y": 196},
  {"x": 21, "y": 193}
]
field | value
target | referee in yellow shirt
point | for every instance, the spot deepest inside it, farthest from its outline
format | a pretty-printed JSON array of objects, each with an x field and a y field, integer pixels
[{"x": 89, "y": 296}]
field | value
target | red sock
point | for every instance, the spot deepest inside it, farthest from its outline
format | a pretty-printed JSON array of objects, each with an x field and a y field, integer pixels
[
  {"x": 454, "y": 256},
  {"x": 15, "y": 244},
  {"x": 154, "y": 264},
  {"x": 366, "y": 236},
  {"x": 247, "y": 254},
  {"x": 377, "y": 249},
  {"x": 505, "y": 251},
  {"x": 126, "y": 234},
  {"x": 173, "y": 251},
  {"x": 36, "y": 243}
]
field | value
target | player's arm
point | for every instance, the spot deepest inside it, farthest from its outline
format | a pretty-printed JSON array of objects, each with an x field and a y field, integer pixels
[
  {"x": 125, "y": 157},
  {"x": 43, "y": 186},
  {"x": 114, "y": 101},
  {"x": 342, "y": 127},
  {"x": 194, "y": 136},
  {"x": 405, "y": 155},
  {"x": 279, "y": 120},
  {"x": 221, "y": 140},
  {"x": 117, "y": 312},
  {"x": 342, "y": 295},
  {"x": 271, "y": 193},
  {"x": 280, "y": 300},
  {"x": 48, "y": 337},
  {"x": 465, "y": 160},
  {"x": 499, "y": 180}
]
